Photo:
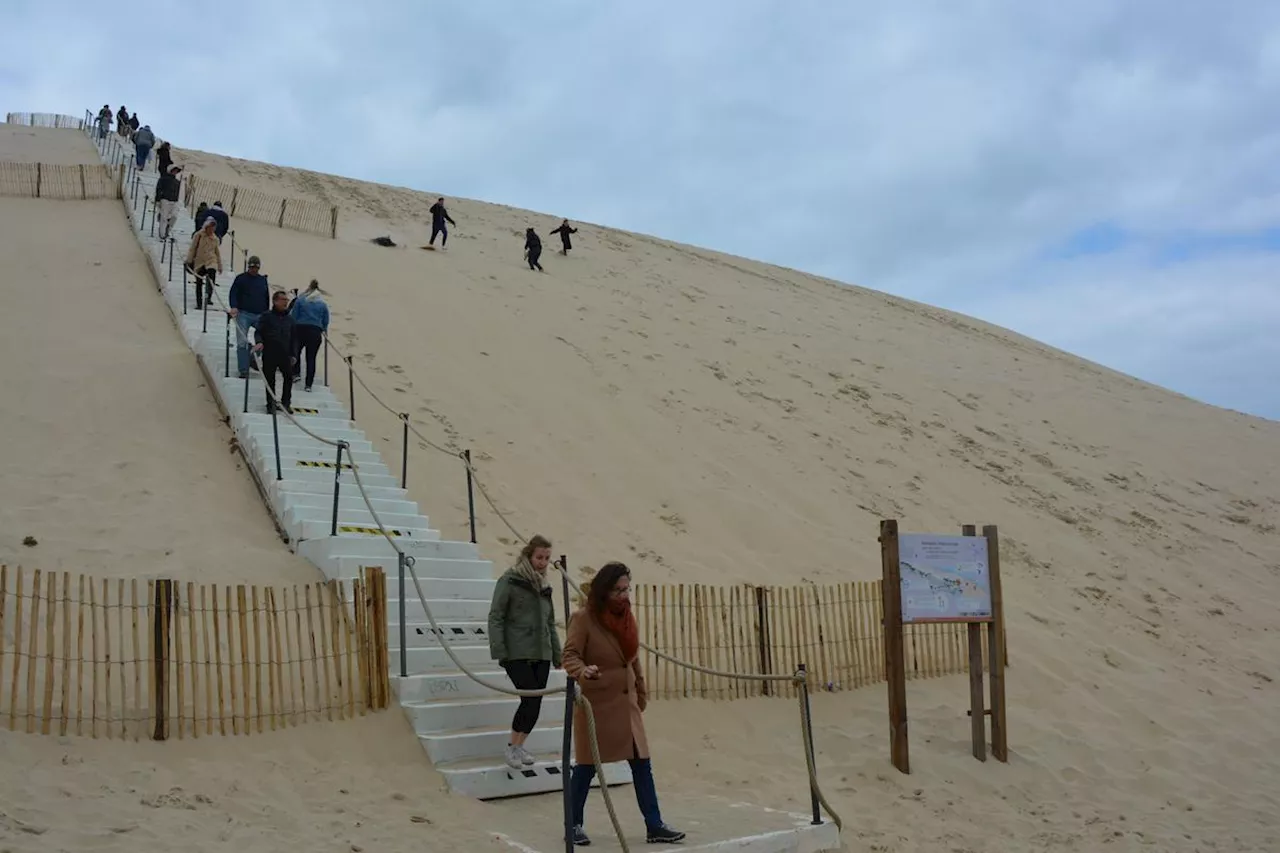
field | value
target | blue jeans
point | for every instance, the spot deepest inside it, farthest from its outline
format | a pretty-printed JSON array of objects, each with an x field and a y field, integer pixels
[
  {"x": 641, "y": 780},
  {"x": 244, "y": 321},
  {"x": 142, "y": 152}
]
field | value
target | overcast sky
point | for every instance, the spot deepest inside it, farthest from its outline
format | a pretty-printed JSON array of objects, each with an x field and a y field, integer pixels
[{"x": 1103, "y": 175}]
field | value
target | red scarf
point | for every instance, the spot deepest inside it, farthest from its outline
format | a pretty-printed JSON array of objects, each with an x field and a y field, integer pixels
[{"x": 619, "y": 619}]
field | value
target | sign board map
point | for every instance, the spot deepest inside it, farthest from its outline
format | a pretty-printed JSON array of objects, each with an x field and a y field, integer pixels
[{"x": 944, "y": 578}]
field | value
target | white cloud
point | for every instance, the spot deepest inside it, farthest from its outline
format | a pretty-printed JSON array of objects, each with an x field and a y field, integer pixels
[{"x": 933, "y": 149}]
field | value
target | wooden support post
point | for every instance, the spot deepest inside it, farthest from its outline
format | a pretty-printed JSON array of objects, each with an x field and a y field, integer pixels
[
  {"x": 895, "y": 669},
  {"x": 977, "y": 710},
  {"x": 995, "y": 647},
  {"x": 84, "y": 194},
  {"x": 283, "y": 203},
  {"x": 160, "y": 616},
  {"x": 232, "y": 210},
  {"x": 333, "y": 228},
  {"x": 39, "y": 178}
]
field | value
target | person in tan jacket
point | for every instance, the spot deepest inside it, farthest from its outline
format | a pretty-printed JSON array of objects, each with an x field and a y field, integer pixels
[
  {"x": 600, "y": 653},
  {"x": 204, "y": 258}
]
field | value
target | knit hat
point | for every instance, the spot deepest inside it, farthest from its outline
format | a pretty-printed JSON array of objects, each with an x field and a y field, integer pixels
[{"x": 254, "y": 261}]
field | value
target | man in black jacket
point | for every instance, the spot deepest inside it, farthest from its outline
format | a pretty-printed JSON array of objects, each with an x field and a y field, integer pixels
[
  {"x": 222, "y": 222},
  {"x": 168, "y": 191},
  {"x": 275, "y": 343},
  {"x": 438, "y": 218}
]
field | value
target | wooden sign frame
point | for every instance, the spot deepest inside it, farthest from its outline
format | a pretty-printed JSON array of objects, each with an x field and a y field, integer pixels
[{"x": 895, "y": 659}]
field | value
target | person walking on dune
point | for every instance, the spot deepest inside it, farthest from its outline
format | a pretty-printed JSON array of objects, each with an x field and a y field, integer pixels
[
  {"x": 249, "y": 299},
  {"x": 523, "y": 639},
  {"x": 143, "y": 141},
  {"x": 168, "y": 190},
  {"x": 439, "y": 216},
  {"x": 275, "y": 342},
  {"x": 532, "y": 249},
  {"x": 311, "y": 322},
  {"x": 204, "y": 259},
  {"x": 564, "y": 231}
]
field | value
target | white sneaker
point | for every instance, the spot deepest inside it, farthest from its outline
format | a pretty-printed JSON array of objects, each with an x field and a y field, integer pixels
[
  {"x": 525, "y": 757},
  {"x": 514, "y": 756}
]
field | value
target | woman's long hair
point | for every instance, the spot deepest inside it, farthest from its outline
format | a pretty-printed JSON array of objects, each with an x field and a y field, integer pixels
[
  {"x": 538, "y": 541},
  {"x": 603, "y": 583}
]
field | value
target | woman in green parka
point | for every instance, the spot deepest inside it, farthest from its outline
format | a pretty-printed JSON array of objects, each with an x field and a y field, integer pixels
[{"x": 523, "y": 638}]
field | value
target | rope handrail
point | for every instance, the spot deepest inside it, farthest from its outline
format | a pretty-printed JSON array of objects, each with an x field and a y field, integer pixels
[{"x": 409, "y": 562}]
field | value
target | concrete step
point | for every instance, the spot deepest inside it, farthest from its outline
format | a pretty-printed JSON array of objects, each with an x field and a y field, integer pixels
[
  {"x": 443, "y": 609},
  {"x": 285, "y": 488},
  {"x": 325, "y": 552},
  {"x": 485, "y": 779},
  {"x": 436, "y": 659},
  {"x": 398, "y": 525},
  {"x": 320, "y": 528},
  {"x": 264, "y": 447},
  {"x": 426, "y": 567},
  {"x": 457, "y": 685},
  {"x": 357, "y": 513},
  {"x": 301, "y": 440},
  {"x": 353, "y": 502},
  {"x": 286, "y": 428},
  {"x": 446, "y": 716},
  {"x": 346, "y": 479},
  {"x": 446, "y": 748},
  {"x": 440, "y": 589},
  {"x": 421, "y": 634},
  {"x": 314, "y": 424}
]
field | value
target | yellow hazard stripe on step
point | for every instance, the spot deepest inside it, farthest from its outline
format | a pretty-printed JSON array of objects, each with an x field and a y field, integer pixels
[
  {"x": 302, "y": 410},
  {"x": 307, "y": 463},
  {"x": 372, "y": 531}
]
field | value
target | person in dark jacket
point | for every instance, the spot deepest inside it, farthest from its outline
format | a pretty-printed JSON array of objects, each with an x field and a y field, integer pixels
[
  {"x": 202, "y": 213},
  {"x": 564, "y": 231},
  {"x": 275, "y": 343},
  {"x": 222, "y": 222},
  {"x": 104, "y": 121},
  {"x": 133, "y": 124},
  {"x": 164, "y": 158},
  {"x": 311, "y": 316},
  {"x": 439, "y": 216},
  {"x": 523, "y": 638},
  {"x": 532, "y": 249},
  {"x": 168, "y": 190},
  {"x": 122, "y": 121},
  {"x": 249, "y": 299}
]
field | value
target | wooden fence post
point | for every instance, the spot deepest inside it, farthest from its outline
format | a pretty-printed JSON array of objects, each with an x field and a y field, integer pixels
[
  {"x": 39, "y": 177},
  {"x": 234, "y": 194},
  {"x": 280, "y": 221},
  {"x": 333, "y": 228},
  {"x": 161, "y": 616},
  {"x": 895, "y": 667},
  {"x": 762, "y": 638},
  {"x": 83, "y": 191}
]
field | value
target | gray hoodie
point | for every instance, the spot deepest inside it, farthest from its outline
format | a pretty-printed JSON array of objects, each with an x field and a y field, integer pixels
[{"x": 144, "y": 137}]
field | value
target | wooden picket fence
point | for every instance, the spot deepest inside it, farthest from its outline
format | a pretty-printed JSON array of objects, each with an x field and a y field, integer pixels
[
  {"x": 835, "y": 630},
  {"x": 158, "y": 659},
  {"x": 45, "y": 180},
  {"x": 296, "y": 214},
  {"x": 44, "y": 120}
]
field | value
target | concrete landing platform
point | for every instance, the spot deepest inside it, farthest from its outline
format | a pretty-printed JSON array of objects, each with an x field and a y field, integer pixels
[{"x": 536, "y": 825}]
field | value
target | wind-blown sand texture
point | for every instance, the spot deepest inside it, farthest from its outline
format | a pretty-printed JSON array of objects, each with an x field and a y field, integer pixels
[{"x": 708, "y": 418}]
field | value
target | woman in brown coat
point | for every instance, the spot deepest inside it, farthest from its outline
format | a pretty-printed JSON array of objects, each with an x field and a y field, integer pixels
[{"x": 600, "y": 654}]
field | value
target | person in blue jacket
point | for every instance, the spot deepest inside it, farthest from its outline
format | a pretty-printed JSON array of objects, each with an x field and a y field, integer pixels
[
  {"x": 311, "y": 323},
  {"x": 222, "y": 222},
  {"x": 249, "y": 299}
]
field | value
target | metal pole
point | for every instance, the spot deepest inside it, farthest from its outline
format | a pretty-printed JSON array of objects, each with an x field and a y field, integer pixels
[
  {"x": 172, "y": 247},
  {"x": 275, "y": 434},
  {"x": 246, "y": 382},
  {"x": 204, "y": 320},
  {"x": 351, "y": 383},
  {"x": 404, "y": 456},
  {"x": 568, "y": 723},
  {"x": 164, "y": 248},
  {"x": 244, "y": 260},
  {"x": 471, "y": 499},
  {"x": 326, "y": 359},
  {"x": 226, "y": 351},
  {"x": 337, "y": 477},
  {"x": 153, "y": 215},
  {"x": 184, "y": 287},
  {"x": 404, "y": 653},
  {"x": 233, "y": 251},
  {"x": 808, "y": 727}
]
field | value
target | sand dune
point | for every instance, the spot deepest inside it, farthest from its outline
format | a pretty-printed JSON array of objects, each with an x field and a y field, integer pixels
[{"x": 709, "y": 418}]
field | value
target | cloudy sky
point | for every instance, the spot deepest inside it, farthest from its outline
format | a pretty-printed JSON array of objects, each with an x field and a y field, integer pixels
[{"x": 1101, "y": 175}]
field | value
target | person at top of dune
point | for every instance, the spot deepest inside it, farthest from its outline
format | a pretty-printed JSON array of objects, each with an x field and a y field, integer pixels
[
  {"x": 134, "y": 124},
  {"x": 439, "y": 216},
  {"x": 532, "y": 249},
  {"x": 564, "y": 231},
  {"x": 311, "y": 316},
  {"x": 220, "y": 217}
]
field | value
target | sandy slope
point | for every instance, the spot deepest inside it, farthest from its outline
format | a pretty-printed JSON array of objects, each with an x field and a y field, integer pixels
[
  {"x": 711, "y": 418},
  {"x": 116, "y": 461}
]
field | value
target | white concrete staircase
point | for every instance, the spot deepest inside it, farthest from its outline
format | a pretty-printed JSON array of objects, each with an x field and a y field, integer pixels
[{"x": 462, "y": 725}]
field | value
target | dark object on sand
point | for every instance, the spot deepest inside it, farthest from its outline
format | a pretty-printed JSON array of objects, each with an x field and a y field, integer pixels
[{"x": 383, "y": 241}]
